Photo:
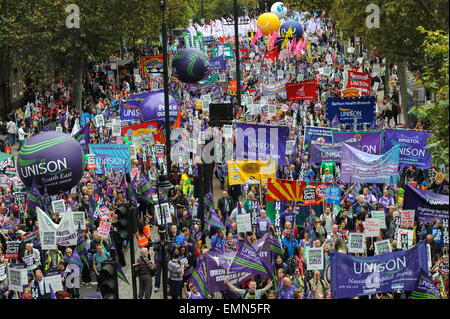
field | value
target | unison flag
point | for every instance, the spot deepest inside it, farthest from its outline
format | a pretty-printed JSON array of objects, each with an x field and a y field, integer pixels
[
  {"x": 198, "y": 279},
  {"x": 82, "y": 136},
  {"x": 247, "y": 259},
  {"x": 425, "y": 288}
]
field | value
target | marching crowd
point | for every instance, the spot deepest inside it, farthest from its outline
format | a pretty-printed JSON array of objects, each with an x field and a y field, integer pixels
[{"x": 327, "y": 227}]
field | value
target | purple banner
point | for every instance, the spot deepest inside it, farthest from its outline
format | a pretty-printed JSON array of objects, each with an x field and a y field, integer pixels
[
  {"x": 412, "y": 147},
  {"x": 361, "y": 167},
  {"x": 248, "y": 259},
  {"x": 425, "y": 288},
  {"x": 369, "y": 142},
  {"x": 325, "y": 153},
  {"x": 261, "y": 142},
  {"x": 217, "y": 63},
  {"x": 218, "y": 265},
  {"x": 359, "y": 276}
]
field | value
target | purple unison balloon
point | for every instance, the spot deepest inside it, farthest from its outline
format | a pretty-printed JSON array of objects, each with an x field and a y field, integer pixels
[
  {"x": 52, "y": 158},
  {"x": 297, "y": 29},
  {"x": 152, "y": 108},
  {"x": 190, "y": 65}
]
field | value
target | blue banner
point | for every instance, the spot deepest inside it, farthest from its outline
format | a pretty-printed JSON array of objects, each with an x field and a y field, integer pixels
[
  {"x": 353, "y": 276},
  {"x": 217, "y": 63},
  {"x": 412, "y": 147},
  {"x": 347, "y": 109},
  {"x": 111, "y": 156},
  {"x": 319, "y": 135},
  {"x": 333, "y": 195},
  {"x": 261, "y": 142}
]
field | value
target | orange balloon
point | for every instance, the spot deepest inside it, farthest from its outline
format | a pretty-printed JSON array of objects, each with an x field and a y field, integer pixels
[{"x": 268, "y": 22}]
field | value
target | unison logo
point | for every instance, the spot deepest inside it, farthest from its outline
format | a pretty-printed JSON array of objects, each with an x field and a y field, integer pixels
[
  {"x": 391, "y": 265},
  {"x": 43, "y": 167}
]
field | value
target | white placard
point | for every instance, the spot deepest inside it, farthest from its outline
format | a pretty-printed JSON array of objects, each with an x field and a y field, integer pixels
[
  {"x": 17, "y": 278},
  {"x": 100, "y": 120},
  {"x": 371, "y": 227},
  {"x": 315, "y": 259},
  {"x": 133, "y": 153},
  {"x": 222, "y": 78},
  {"x": 356, "y": 243},
  {"x": 350, "y": 50},
  {"x": 280, "y": 74},
  {"x": 79, "y": 220},
  {"x": 289, "y": 146},
  {"x": 116, "y": 130},
  {"x": 244, "y": 223},
  {"x": 404, "y": 238},
  {"x": 103, "y": 229},
  {"x": 380, "y": 216},
  {"x": 375, "y": 87},
  {"x": 59, "y": 206},
  {"x": 227, "y": 131},
  {"x": 55, "y": 281},
  {"x": 300, "y": 77}
]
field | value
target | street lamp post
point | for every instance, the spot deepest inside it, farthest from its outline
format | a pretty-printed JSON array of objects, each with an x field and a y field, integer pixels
[
  {"x": 238, "y": 60},
  {"x": 162, "y": 189},
  {"x": 162, "y": 5}
]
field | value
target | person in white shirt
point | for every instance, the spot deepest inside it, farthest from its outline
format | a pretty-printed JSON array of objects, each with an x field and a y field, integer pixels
[{"x": 22, "y": 135}]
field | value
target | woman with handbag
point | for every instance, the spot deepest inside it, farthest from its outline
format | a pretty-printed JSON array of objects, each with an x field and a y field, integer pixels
[{"x": 147, "y": 270}]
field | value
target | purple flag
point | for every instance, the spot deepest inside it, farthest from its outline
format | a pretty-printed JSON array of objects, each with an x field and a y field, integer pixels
[
  {"x": 425, "y": 288},
  {"x": 198, "y": 279},
  {"x": 335, "y": 122},
  {"x": 262, "y": 247},
  {"x": 52, "y": 294},
  {"x": 248, "y": 259},
  {"x": 82, "y": 136}
]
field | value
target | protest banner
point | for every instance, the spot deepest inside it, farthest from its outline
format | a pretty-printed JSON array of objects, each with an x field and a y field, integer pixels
[
  {"x": 315, "y": 259},
  {"x": 428, "y": 206},
  {"x": 358, "y": 80},
  {"x": 380, "y": 216},
  {"x": 139, "y": 134},
  {"x": 54, "y": 281},
  {"x": 382, "y": 247},
  {"x": 250, "y": 172},
  {"x": 377, "y": 274},
  {"x": 369, "y": 142},
  {"x": 151, "y": 64},
  {"x": 63, "y": 234},
  {"x": 319, "y": 135},
  {"x": 407, "y": 218},
  {"x": 325, "y": 153},
  {"x": 104, "y": 228},
  {"x": 348, "y": 109},
  {"x": 356, "y": 243},
  {"x": 115, "y": 157},
  {"x": 244, "y": 223},
  {"x": 303, "y": 90},
  {"x": 255, "y": 142},
  {"x": 412, "y": 147},
  {"x": 371, "y": 227},
  {"x": 361, "y": 167}
]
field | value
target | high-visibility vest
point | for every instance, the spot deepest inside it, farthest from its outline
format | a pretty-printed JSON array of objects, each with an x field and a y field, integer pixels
[{"x": 143, "y": 239}]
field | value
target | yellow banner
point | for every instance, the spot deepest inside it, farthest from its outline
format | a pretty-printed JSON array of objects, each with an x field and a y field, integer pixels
[{"x": 250, "y": 172}]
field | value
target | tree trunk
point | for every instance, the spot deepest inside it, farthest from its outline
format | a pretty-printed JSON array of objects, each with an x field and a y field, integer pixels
[
  {"x": 403, "y": 79},
  {"x": 78, "y": 87}
]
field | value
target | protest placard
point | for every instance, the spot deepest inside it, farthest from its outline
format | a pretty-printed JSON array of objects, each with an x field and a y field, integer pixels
[
  {"x": 79, "y": 220},
  {"x": 315, "y": 259},
  {"x": 382, "y": 247},
  {"x": 404, "y": 238},
  {"x": 244, "y": 223},
  {"x": 29, "y": 261},
  {"x": 380, "y": 216},
  {"x": 58, "y": 206},
  {"x": 163, "y": 219},
  {"x": 12, "y": 249},
  {"x": 356, "y": 243},
  {"x": 103, "y": 229},
  {"x": 17, "y": 278},
  {"x": 3, "y": 274},
  {"x": 371, "y": 227},
  {"x": 333, "y": 195},
  {"x": 407, "y": 218},
  {"x": 55, "y": 281},
  {"x": 309, "y": 195}
]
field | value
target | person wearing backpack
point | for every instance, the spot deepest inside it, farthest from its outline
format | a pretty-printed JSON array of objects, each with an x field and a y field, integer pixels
[
  {"x": 147, "y": 270},
  {"x": 251, "y": 292},
  {"x": 318, "y": 285}
]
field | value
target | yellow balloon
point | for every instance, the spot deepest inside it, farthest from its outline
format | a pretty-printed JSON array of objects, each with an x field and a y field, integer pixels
[{"x": 268, "y": 22}]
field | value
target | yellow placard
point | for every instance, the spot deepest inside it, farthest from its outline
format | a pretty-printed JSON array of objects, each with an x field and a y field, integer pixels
[{"x": 250, "y": 171}]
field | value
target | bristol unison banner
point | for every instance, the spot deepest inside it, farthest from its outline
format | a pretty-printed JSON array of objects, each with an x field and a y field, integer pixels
[
  {"x": 255, "y": 142},
  {"x": 361, "y": 167},
  {"x": 348, "y": 109},
  {"x": 111, "y": 156},
  {"x": 359, "y": 276},
  {"x": 317, "y": 135},
  {"x": 412, "y": 147}
]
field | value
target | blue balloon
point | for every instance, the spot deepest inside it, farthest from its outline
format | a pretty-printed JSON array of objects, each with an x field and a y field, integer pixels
[{"x": 297, "y": 29}]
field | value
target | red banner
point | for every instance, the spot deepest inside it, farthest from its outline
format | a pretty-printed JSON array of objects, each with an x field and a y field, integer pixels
[
  {"x": 291, "y": 190},
  {"x": 303, "y": 90},
  {"x": 358, "y": 80},
  {"x": 148, "y": 63},
  {"x": 271, "y": 55}
]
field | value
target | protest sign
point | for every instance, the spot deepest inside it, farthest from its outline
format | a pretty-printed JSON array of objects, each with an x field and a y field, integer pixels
[
  {"x": 407, "y": 218},
  {"x": 100, "y": 120},
  {"x": 103, "y": 229},
  {"x": 54, "y": 281},
  {"x": 104, "y": 213},
  {"x": 380, "y": 216},
  {"x": 12, "y": 249},
  {"x": 73, "y": 278},
  {"x": 244, "y": 223},
  {"x": 163, "y": 219},
  {"x": 302, "y": 90},
  {"x": 315, "y": 259},
  {"x": 309, "y": 195},
  {"x": 404, "y": 238},
  {"x": 382, "y": 247},
  {"x": 333, "y": 195},
  {"x": 289, "y": 146},
  {"x": 356, "y": 243},
  {"x": 371, "y": 227},
  {"x": 59, "y": 206},
  {"x": 63, "y": 234},
  {"x": 29, "y": 261},
  {"x": 3, "y": 274},
  {"x": 317, "y": 135},
  {"x": 20, "y": 201},
  {"x": 79, "y": 220},
  {"x": 17, "y": 278}
]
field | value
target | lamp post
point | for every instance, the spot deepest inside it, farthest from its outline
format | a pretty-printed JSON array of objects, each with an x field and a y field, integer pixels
[
  {"x": 162, "y": 189},
  {"x": 162, "y": 6},
  {"x": 238, "y": 60}
]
